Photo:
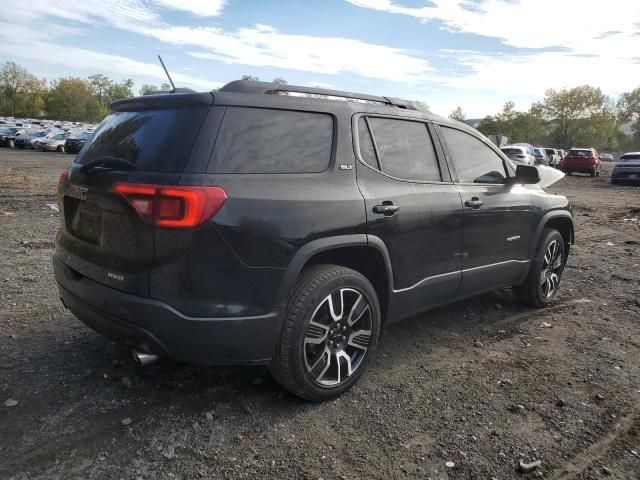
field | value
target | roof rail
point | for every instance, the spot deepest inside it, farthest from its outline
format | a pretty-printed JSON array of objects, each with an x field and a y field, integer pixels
[{"x": 248, "y": 86}]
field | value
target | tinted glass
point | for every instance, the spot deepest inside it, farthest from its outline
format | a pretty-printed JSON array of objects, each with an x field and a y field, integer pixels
[
  {"x": 474, "y": 161},
  {"x": 550, "y": 152},
  {"x": 367, "y": 151},
  {"x": 626, "y": 158},
  {"x": 580, "y": 153},
  {"x": 405, "y": 149},
  {"x": 154, "y": 140},
  {"x": 257, "y": 140}
]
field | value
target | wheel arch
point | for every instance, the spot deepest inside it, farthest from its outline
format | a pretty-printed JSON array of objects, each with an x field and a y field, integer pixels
[
  {"x": 362, "y": 253},
  {"x": 560, "y": 220}
]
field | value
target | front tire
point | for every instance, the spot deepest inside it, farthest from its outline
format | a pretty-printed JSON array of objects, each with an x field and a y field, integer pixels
[
  {"x": 12, "y": 144},
  {"x": 543, "y": 280},
  {"x": 60, "y": 149},
  {"x": 331, "y": 329}
]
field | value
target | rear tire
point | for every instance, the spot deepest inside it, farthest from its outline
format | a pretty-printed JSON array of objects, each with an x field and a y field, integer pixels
[
  {"x": 330, "y": 332},
  {"x": 12, "y": 144},
  {"x": 593, "y": 172},
  {"x": 568, "y": 172},
  {"x": 543, "y": 280},
  {"x": 60, "y": 149}
]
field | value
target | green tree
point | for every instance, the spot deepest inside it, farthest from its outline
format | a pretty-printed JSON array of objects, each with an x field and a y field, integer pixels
[
  {"x": 101, "y": 85},
  {"x": 567, "y": 109},
  {"x": 13, "y": 80},
  {"x": 74, "y": 99},
  {"x": 120, "y": 90},
  {"x": 250, "y": 78},
  {"x": 458, "y": 114}
]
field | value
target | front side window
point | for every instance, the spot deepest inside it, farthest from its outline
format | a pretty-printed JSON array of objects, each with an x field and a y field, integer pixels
[
  {"x": 405, "y": 149},
  {"x": 474, "y": 161}
]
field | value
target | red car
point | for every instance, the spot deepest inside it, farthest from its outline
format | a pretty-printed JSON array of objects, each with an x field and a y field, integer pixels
[{"x": 583, "y": 160}]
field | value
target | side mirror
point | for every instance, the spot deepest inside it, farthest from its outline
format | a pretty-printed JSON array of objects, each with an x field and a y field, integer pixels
[{"x": 526, "y": 175}]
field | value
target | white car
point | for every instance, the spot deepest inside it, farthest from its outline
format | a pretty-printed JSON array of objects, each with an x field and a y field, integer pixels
[
  {"x": 53, "y": 144},
  {"x": 554, "y": 157},
  {"x": 519, "y": 154}
]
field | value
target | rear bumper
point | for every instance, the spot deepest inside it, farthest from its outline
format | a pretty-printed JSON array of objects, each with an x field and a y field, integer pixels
[{"x": 156, "y": 327}]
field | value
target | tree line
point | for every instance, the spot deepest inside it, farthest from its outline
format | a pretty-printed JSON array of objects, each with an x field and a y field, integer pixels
[{"x": 580, "y": 116}]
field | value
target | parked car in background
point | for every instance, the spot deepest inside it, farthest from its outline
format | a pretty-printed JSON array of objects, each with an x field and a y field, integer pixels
[
  {"x": 541, "y": 156},
  {"x": 29, "y": 138},
  {"x": 606, "y": 157},
  {"x": 75, "y": 142},
  {"x": 519, "y": 154},
  {"x": 554, "y": 157},
  {"x": 627, "y": 169},
  {"x": 582, "y": 160},
  {"x": 205, "y": 191},
  {"x": 8, "y": 136},
  {"x": 53, "y": 144}
]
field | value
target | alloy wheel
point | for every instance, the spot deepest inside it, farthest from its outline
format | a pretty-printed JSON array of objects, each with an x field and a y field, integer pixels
[
  {"x": 338, "y": 337},
  {"x": 551, "y": 269}
]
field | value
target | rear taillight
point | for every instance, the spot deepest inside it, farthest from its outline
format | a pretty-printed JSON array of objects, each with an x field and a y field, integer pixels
[
  {"x": 64, "y": 177},
  {"x": 172, "y": 207}
]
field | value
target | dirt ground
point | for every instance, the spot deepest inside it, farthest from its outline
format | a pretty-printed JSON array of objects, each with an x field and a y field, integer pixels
[{"x": 481, "y": 383}]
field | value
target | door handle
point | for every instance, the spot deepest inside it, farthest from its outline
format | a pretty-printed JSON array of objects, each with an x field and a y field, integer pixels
[
  {"x": 474, "y": 203},
  {"x": 387, "y": 209}
]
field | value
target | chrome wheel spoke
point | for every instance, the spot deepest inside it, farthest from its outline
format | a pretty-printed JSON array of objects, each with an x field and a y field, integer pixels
[{"x": 336, "y": 315}]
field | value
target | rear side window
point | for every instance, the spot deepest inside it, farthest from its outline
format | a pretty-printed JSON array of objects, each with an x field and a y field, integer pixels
[
  {"x": 258, "y": 140},
  {"x": 153, "y": 140},
  {"x": 474, "y": 161},
  {"x": 405, "y": 149}
]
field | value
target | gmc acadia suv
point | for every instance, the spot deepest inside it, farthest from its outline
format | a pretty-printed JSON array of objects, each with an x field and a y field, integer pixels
[{"x": 284, "y": 225}]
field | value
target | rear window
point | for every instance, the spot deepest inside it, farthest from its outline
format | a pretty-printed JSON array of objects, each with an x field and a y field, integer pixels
[
  {"x": 153, "y": 140},
  {"x": 258, "y": 140},
  {"x": 633, "y": 156},
  {"x": 550, "y": 151},
  {"x": 580, "y": 153},
  {"x": 513, "y": 151}
]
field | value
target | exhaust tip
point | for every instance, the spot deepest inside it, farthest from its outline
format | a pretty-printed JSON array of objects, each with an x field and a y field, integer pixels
[{"x": 144, "y": 359}]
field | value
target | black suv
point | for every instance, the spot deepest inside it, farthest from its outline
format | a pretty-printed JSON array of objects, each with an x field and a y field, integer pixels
[{"x": 285, "y": 225}]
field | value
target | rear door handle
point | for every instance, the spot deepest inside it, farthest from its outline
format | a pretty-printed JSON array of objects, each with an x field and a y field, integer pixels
[
  {"x": 387, "y": 209},
  {"x": 474, "y": 203}
]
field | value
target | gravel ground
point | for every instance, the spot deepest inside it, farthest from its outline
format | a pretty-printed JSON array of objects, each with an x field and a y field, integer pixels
[{"x": 465, "y": 391}]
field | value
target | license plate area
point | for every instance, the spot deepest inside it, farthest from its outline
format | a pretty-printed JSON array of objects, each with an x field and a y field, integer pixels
[{"x": 84, "y": 219}]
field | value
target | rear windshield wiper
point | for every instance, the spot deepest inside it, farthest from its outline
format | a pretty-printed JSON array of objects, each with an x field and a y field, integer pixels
[{"x": 110, "y": 163}]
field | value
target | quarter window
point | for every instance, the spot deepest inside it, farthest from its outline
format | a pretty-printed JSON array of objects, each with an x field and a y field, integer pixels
[
  {"x": 367, "y": 152},
  {"x": 257, "y": 140},
  {"x": 405, "y": 149},
  {"x": 474, "y": 161}
]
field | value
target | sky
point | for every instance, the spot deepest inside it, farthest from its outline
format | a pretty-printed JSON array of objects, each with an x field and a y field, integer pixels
[{"x": 476, "y": 54}]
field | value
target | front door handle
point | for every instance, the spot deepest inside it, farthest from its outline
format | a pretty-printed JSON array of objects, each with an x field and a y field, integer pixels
[
  {"x": 387, "y": 209},
  {"x": 474, "y": 203}
]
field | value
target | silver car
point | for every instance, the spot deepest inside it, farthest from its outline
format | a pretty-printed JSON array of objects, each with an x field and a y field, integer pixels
[
  {"x": 627, "y": 170},
  {"x": 53, "y": 144},
  {"x": 519, "y": 154}
]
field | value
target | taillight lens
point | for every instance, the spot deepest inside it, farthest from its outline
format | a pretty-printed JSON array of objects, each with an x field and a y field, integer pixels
[
  {"x": 64, "y": 177},
  {"x": 173, "y": 207}
]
